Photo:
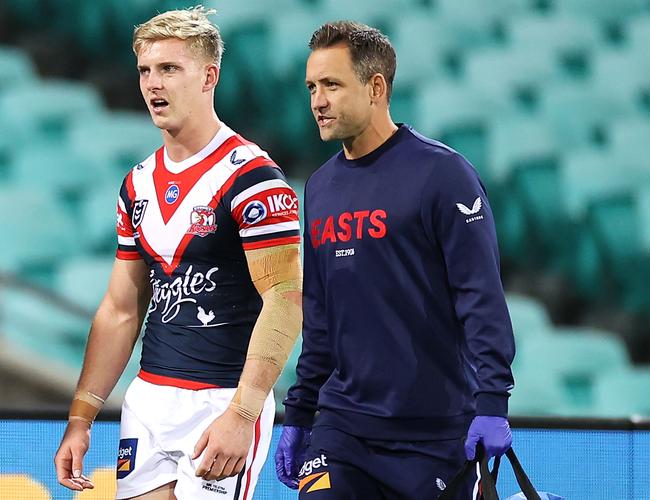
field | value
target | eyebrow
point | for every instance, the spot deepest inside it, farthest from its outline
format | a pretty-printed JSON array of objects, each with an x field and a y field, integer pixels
[{"x": 159, "y": 65}]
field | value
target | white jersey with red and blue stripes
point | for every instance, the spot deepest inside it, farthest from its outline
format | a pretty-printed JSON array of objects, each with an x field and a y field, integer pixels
[{"x": 191, "y": 222}]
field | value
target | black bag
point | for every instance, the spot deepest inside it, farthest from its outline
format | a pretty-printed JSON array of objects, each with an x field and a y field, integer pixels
[{"x": 489, "y": 478}]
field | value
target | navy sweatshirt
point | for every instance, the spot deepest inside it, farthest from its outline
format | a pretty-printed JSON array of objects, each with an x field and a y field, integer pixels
[{"x": 406, "y": 333}]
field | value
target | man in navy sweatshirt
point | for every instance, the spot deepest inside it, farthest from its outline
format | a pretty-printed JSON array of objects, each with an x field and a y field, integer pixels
[{"x": 407, "y": 341}]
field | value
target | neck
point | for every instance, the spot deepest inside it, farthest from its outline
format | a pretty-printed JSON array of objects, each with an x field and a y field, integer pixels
[
  {"x": 378, "y": 131},
  {"x": 191, "y": 138}
]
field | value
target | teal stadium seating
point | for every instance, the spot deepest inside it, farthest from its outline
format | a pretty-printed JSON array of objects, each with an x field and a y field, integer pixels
[{"x": 623, "y": 393}]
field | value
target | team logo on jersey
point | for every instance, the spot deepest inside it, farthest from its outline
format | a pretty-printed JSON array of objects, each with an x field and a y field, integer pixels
[
  {"x": 234, "y": 160},
  {"x": 254, "y": 212},
  {"x": 171, "y": 195},
  {"x": 138, "y": 212},
  {"x": 126, "y": 457},
  {"x": 202, "y": 221},
  {"x": 471, "y": 212}
]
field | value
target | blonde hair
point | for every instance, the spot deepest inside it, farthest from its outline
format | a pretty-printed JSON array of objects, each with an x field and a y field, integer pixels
[{"x": 187, "y": 24}]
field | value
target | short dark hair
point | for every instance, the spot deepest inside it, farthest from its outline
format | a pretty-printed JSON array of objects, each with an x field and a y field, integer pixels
[{"x": 370, "y": 50}]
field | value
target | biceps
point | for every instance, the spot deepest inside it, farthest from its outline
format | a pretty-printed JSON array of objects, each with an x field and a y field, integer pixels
[{"x": 128, "y": 288}]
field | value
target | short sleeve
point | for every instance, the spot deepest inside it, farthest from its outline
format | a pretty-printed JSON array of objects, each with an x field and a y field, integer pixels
[
  {"x": 126, "y": 249},
  {"x": 265, "y": 208}
]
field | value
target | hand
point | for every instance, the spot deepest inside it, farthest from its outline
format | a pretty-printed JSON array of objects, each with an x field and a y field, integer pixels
[
  {"x": 493, "y": 432},
  {"x": 225, "y": 444},
  {"x": 290, "y": 454},
  {"x": 68, "y": 460}
]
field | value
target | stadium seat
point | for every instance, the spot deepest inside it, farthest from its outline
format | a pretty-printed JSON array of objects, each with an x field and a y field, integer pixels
[
  {"x": 618, "y": 11},
  {"x": 577, "y": 114},
  {"x": 529, "y": 317},
  {"x": 97, "y": 216},
  {"x": 628, "y": 143},
  {"x": 638, "y": 32},
  {"x": 84, "y": 279},
  {"x": 16, "y": 68},
  {"x": 578, "y": 355},
  {"x": 519, "y": 72},
  {"x": 123, "y": 138},
  {"x": 537, "y": 394},
  {"x": 610, "y": 65},
  {"x": 40, "y": 231},
  {"x": 63, "y": 171},
  {"x": 623, "y": 393},
  {"x": 571, "y": 40},
  {"x": 42, "y": 111}
]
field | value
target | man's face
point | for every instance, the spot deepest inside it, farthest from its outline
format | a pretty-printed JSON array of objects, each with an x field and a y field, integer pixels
[
  {"x": 172, "y": 79},
  {"x": 339, "y": 101}
]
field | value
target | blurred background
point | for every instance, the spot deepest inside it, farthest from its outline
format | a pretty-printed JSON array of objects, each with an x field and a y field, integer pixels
[{"x": 549, "y": 99}]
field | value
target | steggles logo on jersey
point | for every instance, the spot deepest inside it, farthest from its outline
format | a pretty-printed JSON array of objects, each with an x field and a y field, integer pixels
[
  {"x": 348, "y": 226},
  {"x": 254, "y": 212},
  {"x": 202, "y": 221},
  {"x": 126, "y": 457},
  {"x": 168, "y": 298},
  {"x": 172, "y": 193},
  {"x": 138, "y": 212}
]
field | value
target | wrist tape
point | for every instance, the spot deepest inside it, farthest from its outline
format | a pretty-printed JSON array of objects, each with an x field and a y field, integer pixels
[
  {"x": 248, "y": 401},
  {"x": 85, "y": 406}
]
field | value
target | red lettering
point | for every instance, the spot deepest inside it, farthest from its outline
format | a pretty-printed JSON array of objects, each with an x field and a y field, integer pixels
[
  {"x": 344, "y": 223},
  {"x": 315, "y": 240},
  {"x": 360, "y": 215},
  {"x": 379, "y": 231},
  {"x": 328, "y": 231}
]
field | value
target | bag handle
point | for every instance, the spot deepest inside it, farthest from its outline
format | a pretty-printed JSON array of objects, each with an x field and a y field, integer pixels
[{"x": 489, "y": 478}]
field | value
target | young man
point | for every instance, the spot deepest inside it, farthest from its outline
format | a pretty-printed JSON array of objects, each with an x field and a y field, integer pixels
[
  {"x": 208, "y": 238},
  {"x": 407, "y": 341}
]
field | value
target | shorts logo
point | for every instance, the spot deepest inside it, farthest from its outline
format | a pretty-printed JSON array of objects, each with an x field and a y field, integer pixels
[
  {"x": 254, "y": 212},
  {"x": 171, "y": 195},
  {"x": 314, "y": 480},
  {"x": 138, "y": 212},
  {"x": 203, "y": 221},
  {"x": 126, "y": 457}
]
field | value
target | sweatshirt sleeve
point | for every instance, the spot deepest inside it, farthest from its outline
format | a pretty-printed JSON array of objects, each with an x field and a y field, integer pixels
[
  {"x": 458, "y": 218},
  {"x": 314, "y": 364}
]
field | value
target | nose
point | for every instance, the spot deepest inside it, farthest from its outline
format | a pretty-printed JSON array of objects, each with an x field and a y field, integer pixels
[
  {"x": 154, "y": 81},
  {"x": 319, "y": 100}
]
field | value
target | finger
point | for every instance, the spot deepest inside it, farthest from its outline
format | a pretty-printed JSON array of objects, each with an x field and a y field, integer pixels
[
  {"x": 217, "y": 467},
  {"x": 239, "y": 466},
  {"x": 279, "y": 463},
  {"x": 470, "y": 446},
  {"x": 63, "y": 465},
  {"x": 77, "y": 464},
  {"x": 200, "y": 445},
  {"x": 206, "y": 464},
  {"x": 228, "y": 468},
  {"x": 72, "y": 484}
]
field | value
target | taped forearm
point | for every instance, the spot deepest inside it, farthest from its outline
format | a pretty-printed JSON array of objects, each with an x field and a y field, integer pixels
[
  {"x": 85, "y": 406},
  {"x": 277, "y": 275}
]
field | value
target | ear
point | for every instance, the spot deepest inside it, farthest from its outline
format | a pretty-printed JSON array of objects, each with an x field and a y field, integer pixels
[
  {"x": 377, "y": 88},
  {"x": 211, "y": 77}
]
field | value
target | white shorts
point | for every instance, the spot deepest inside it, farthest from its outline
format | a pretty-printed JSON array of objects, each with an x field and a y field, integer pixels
[{"x": 159, "y": 429}]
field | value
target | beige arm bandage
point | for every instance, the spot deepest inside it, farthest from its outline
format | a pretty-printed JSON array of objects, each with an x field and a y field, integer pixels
[
  {"x": 85, "y": 406},
  {"x": 277, "y": 275}
]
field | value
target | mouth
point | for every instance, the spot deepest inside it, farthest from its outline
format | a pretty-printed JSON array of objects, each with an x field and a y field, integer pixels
[
  {"x": 158, "y": 104},
  {"x": 324, "y": 121}
]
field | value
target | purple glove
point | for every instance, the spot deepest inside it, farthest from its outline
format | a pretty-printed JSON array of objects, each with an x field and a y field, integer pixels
[
  {"x": 493, "y": 432},
  {"x": 290, "y": 454}
]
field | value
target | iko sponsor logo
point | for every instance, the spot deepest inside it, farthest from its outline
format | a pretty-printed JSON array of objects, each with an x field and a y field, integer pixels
[
  {"x": 282, "y": 204},
  {"x": 168, "y": 298},
  {"x": 172, "y": 194},
  {"x": 126, "y": 457},
  {"x": 254, "y": 212}
]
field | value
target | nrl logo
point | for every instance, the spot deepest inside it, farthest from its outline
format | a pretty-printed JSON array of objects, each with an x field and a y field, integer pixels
[{"x": 138, "y": 212}]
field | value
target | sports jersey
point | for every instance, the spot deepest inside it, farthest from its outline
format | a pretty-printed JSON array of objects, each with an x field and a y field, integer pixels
[
  {"x": 406, "y": 332},
  {"x": 191, "y": 222}
]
